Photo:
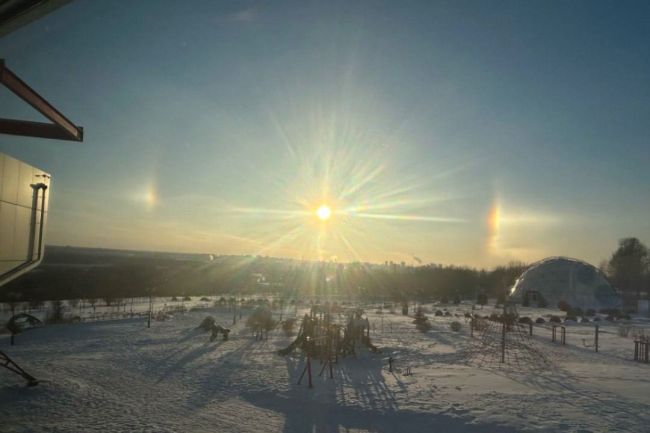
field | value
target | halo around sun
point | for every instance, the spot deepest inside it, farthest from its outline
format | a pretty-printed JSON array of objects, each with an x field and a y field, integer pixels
[{"x": 324, "y": 212}]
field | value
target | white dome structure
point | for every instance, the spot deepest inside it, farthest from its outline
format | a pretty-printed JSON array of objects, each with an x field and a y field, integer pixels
[{"x": 575, "y": 282}]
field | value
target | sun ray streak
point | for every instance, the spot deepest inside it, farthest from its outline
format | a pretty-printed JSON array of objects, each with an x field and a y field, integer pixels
[
  {"x": 360, "y": 184},
  {"x": 280, "y": 212},
  {"x": 408, "y": 217},
  {"x": 290, "y": 235}
]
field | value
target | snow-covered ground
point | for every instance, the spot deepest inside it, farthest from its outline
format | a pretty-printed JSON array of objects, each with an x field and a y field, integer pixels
[{"x": 119, "y": 376}]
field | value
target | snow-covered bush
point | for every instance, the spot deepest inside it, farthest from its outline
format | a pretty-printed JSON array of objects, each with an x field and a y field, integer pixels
[{"x": 455, "y": 326}]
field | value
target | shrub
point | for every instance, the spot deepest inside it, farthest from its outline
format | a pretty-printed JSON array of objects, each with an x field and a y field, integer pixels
[
  {"x": 525, "y": 320},
  {"x": 421, "y": 321},
  {"x": 540, "y": 320},
  {"x": 563, "y": 306},
  {"x": 187, "y": 298},
  {"x": 287, "y": 326},
  {"x": 455, "y": 326},
  {"x": 207, "y": 323},
  {"x": 555, "y": 319},
  {"x": 261, "y": 319},
  {"x": 56, "y": 313},
  {"x": 571, "y": 318}
]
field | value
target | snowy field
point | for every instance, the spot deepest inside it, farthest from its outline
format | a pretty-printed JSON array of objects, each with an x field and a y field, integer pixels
[{"x": 119, "y": 376}]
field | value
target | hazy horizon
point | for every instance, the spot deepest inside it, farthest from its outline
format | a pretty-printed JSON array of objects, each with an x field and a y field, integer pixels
[
  {"x": 412, "y": 263},
  {"x": 466, "y": 133}
]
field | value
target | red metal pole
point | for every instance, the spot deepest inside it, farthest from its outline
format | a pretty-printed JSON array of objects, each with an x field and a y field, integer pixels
[{"x": 311, "y": 385}]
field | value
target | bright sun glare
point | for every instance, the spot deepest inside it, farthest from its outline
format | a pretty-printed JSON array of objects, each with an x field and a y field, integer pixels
[{"x": 324, "y": 212}]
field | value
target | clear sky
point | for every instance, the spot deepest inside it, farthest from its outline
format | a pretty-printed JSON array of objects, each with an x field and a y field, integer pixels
[{"x": 451, "y": 132}]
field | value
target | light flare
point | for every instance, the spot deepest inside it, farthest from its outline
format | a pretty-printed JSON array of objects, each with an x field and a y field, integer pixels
[{"x": 324, "y": 212}]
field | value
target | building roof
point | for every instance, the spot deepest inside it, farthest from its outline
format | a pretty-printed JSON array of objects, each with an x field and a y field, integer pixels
[{"x": 565, "y": 279}]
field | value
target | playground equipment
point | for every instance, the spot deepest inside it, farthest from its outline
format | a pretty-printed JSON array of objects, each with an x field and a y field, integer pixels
[
  {"x": 320, "y": 337},
  {"x": 11, "y": 365},
  {"x": 502, "y": 340},
  {"x": 22, "y": 322},
  {"x": 216, "y": 330},
  {"x": 208, "y": 324}
]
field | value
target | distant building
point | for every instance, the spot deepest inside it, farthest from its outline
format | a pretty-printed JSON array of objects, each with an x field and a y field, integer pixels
[{"x": 556, "y": 279}]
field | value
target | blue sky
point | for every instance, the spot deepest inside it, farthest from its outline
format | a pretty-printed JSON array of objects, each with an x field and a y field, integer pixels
[{"x": 453, "y": 132}]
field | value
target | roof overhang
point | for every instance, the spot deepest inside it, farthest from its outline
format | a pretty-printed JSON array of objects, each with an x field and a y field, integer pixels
[
  {"x": 16, "y": 13},
  {"x": 60, "y": 129}
]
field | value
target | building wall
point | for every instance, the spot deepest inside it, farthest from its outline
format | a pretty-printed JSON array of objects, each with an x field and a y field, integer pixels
[{"x": 22, "y": 211}]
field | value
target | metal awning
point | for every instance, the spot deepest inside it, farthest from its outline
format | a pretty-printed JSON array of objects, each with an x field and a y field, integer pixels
[
  {"x": 13, "y": 15},
  {"x": 17, "y": 13},
  {"x": 61, "y": 128}
]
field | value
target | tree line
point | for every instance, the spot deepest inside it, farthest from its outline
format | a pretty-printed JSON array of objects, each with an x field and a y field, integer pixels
[{"x": 77, "y": 273}]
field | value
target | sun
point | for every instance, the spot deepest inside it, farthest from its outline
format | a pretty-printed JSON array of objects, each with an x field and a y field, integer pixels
[{"x": 324, "y": 212}]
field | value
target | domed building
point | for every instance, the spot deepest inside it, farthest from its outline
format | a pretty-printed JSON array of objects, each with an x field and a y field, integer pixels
[{"x": 556, "y": 279}]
